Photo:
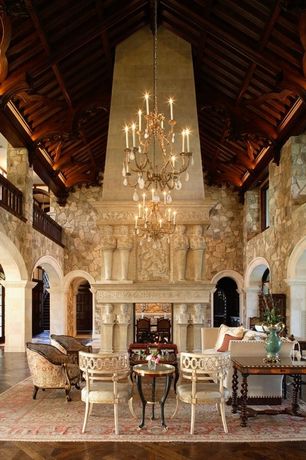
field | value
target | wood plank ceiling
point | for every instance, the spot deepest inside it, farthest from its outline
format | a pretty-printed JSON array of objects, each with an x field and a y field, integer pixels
[{"x": 56, "y": 66}]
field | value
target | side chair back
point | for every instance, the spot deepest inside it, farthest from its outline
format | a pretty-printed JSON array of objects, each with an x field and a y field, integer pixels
[
  {"x": 106, "y": 381},
  {"x": 202, "y": 381}
]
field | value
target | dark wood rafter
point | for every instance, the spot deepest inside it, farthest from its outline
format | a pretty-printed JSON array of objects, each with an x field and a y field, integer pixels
[{"x": 56, "y": 70}]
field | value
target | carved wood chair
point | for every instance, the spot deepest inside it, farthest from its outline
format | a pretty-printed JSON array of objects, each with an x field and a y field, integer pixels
[
  {"x": 143, "y": 329},
  {"x": 202, "y": 381},
  {"x": 106, "y": 382},
  {"x": 163, "y": 329}
]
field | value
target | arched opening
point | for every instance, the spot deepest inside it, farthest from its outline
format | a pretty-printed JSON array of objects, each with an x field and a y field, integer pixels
[
  {"x": 226, "y": 303},
  {"x": 84, "y": 309},
  {"x": 40, "y": 303},
  {"x": 257, "y": 280},
  {"x": 296, "y": 279}
]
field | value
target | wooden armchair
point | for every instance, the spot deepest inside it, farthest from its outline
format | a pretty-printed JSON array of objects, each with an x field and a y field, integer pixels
[
  {"x": 51, "y": 368},
  {"x": 143, "y": 330},
  {"x": 163, "y": 329},
  {"x": 202, "y": 382},
  {"x": 106, "y": 378},
  {"x": 69, "y": 345}
]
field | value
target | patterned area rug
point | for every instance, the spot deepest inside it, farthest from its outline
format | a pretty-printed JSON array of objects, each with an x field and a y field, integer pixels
[{"x": 51, "y": 418}]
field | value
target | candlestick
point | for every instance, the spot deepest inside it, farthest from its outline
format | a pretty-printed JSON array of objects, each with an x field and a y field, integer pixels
[
  {"x": 126, "y": 129},
  {"x": 136, "y": 220},
  {"x": 146, "y": 96},
  {"x": 139, "y": 210},
  {"x": 152, "y": 194},
  {"x": 171, "y": 108},
  {"x": 169, "y": 215},
  {"x": 174, "y": 216},
  {"x": 187, "y": 139},
  {"x": 139, "y": 119},
  {"x": 133, "y": 134},
  {"x": 143, "y": 200},
  {"x": 160, "y": 223},
  {"x": 165, "y": 197},
  {"x": 183, "y": 140}
]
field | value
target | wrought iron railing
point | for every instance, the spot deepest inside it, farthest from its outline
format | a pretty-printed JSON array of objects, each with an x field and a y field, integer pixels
[
  {"x": 47, "y": 226},
  {"x": 10, "y": 197}
]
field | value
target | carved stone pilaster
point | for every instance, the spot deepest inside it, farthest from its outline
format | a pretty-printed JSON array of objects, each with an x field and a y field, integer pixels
[
  {"x": 108, "y": 244},
  {"x": 124, "y": 247}
]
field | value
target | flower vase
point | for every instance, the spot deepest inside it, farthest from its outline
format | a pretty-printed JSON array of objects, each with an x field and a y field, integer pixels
[
  {"x": 273, "y": 341},
  {"x": 152, "y": 364}
]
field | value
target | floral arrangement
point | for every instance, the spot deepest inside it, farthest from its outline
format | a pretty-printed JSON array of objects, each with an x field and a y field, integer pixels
[
  {"x": 271, "y": 315},
  {"x": 153, "y": 356}
]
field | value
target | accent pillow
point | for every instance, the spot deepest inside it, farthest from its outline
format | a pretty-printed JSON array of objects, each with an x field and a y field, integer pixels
[
  {"x": 223, "y": 329},
  {"x": 226, "y": 341}
]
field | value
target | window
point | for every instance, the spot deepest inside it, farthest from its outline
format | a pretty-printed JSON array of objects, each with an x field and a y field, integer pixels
[{"x": 264, "y": 205}]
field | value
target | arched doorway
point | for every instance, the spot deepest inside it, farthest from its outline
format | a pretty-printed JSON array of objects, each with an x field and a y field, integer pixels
[
  {"x": 296, "y": 279},
  {"x": 226, "y": 303},
  {"x": 40, "y": 302},
  {"x": 84, "y": 309},
  {"x": 257, "y": 278}
]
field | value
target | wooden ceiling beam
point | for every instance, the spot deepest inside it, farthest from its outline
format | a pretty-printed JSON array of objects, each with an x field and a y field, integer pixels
[{"x": 264, "y": 59}]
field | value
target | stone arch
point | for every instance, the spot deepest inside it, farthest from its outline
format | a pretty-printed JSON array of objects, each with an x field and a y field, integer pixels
[
  {"x": 55, "y": 275},
  {"x": 253, "y": 284},
  {"x": 255, "y": 271},
  {"x": 11, "y": 260},
  {"x": 71, "y": 284},
  {"x": 296, "y": 279},
  {"x": 238, "y": 278}
]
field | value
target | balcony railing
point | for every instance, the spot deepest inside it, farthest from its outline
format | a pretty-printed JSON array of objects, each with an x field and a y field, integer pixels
[
  {"x": 10, "y": 197},
  {"x": 45, "y": 225}
]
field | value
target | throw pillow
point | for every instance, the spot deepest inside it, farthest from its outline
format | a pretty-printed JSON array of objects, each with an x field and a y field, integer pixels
[
  {"x": 226, "y": 341},
  {"x": 223, "y": 329}
]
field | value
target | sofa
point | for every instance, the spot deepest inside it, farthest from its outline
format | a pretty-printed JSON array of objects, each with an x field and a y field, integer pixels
[{"x": 262, "y": 389}]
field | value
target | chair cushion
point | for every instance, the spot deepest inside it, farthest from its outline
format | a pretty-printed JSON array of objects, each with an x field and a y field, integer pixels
[
  {"x": 226, "y": 341},
  {"x": 103, "y": 392},
  {"x": 205, "y": 392},
  {"x": 233, "y": 331}
]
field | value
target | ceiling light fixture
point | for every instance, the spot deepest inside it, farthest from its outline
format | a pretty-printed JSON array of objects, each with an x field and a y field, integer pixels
[{"x": 154, "y": 158}]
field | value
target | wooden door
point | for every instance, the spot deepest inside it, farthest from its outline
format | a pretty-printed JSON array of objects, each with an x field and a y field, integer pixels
[{"x": 84, "y": 309}]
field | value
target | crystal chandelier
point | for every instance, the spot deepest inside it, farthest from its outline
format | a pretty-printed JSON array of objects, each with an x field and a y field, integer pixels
[
  {"x": 154, "y": 156},
  {"x": 155, "y": 220}
]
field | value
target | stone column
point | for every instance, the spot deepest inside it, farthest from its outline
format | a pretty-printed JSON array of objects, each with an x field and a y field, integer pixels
[
  {"x": 123, "y": 321},
  {"x": 181, "y": 245},
  {"x": 182, "y": 323},
  {"x": 21, "y": 175},
  {"x": 197, "y": 318},
  {"x": 108, "y": 244},
  {"x": 107, "y": 328},
  {"x": 18, "y": 314},
  {"x": 196, "y": 251},
  {"x": 58, "y": 311},
  {"x": 251, "y": 303},
  {"x": 297, "y": 307},
  {"x": 124, "y": 246}
]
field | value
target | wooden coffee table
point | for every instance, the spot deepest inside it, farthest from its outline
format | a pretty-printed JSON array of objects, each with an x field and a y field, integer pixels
[{"x": 256, "y": 366}]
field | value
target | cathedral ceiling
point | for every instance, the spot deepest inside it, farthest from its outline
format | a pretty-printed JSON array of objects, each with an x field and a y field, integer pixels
[{"x": 56, "y": 67}]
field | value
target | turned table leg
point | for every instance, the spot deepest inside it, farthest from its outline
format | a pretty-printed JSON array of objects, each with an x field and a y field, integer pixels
[
  {"x": 244, "y": 399},
  {"x": 296, "y": 387},
  {"x": 234, "y": 391},
  {"x": 143, "y": 400}
]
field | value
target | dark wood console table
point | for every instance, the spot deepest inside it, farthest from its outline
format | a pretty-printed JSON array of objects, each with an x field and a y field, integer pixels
[{"x": 256, "y": 366}]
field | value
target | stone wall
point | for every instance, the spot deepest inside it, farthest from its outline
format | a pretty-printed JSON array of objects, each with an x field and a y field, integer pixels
[
  {"x": 224, "y": 237},
  {"x": 84, "y": 235},
  {"x": 287, "y": 217}
]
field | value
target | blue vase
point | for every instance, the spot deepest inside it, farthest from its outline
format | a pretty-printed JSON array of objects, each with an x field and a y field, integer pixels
[{"x": 273, "y": 341}]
